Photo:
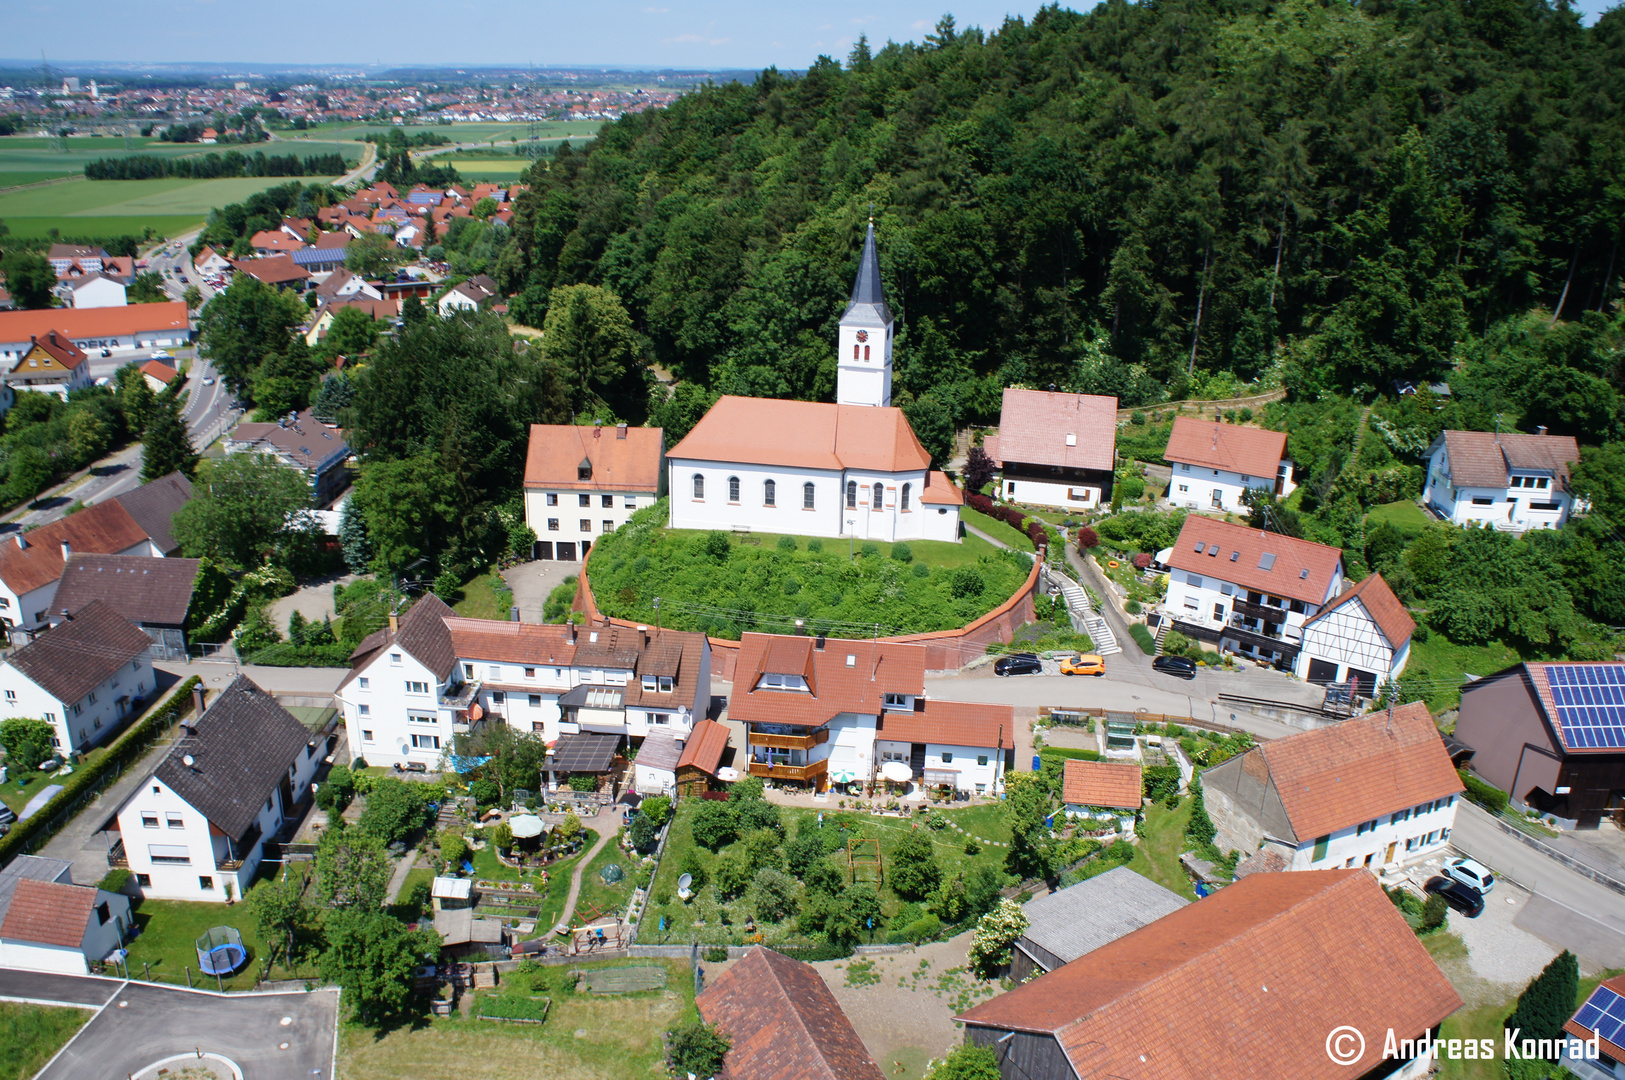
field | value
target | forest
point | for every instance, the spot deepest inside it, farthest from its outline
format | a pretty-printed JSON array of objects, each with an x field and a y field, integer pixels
[
  {"x": 214, "y": 166},
  {"x": 1149, "y": 200}
]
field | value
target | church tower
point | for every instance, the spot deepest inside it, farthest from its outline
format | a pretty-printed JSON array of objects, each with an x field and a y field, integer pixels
[{"x": 863, "y": 362}]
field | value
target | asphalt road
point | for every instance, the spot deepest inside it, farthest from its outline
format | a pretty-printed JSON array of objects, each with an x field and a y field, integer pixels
[
  {"x": 146, "y": 1023},
  {"x": 1569, "y": 909}
]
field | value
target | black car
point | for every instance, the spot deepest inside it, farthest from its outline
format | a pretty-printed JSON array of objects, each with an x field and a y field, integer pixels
[
  {"x": 1182, "y": 666},
  {"x": 1464, "y": 898},
  {"x": 1018, "y": 664}
]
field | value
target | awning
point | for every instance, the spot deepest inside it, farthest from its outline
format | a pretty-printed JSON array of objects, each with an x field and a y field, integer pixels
[
  {"x": 525, "y": 826},
  {"x": 586, "y": 752},
  {"x": 935, "y": 777}
]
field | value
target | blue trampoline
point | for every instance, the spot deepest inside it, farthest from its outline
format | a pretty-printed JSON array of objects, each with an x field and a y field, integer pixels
[{"x": 220, "y": 951}]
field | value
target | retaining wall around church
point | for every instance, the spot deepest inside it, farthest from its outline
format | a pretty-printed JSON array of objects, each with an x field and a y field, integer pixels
[{"x": 945, "y": 649}]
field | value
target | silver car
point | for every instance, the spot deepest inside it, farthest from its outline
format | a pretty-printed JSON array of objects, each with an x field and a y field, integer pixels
[{"x": 1470, "y": 872}]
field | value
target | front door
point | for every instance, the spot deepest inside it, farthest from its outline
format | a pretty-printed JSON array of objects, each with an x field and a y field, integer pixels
[{"x": 1391, "y": 848}]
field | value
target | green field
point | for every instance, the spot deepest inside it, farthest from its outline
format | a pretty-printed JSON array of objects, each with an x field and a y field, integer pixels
[
  {"x": 1404, "y": 515},
  {"x": 27, "y": 159},
  {"x": 487, "y": 170},
  {"x": 82, "y": 207},
  {"x": 31, "y": 1034}
]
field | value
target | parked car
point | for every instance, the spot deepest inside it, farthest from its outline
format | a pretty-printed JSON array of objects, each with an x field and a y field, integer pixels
[
  {"x": 1083, "y": 664},
  {"x": 1018, "y": 664},
  {"x": 1470, "y": 873},
  {"x": 1464, "y": 898},
  {"x": 8, "y": 818},
  {"x": 209, "y": 381},
  {"x": 162, "y": 354},
  {"x": 1182, "y": 666}
]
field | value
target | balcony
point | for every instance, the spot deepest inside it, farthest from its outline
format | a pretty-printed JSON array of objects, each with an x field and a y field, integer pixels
[
  {"x": 789, "y": 742},
  {"x": 116, "y": 859},
  {"x": 804, "y": 774},
  {"x": 1260, "y": 611},
  {"x": 236, "y": 853}
]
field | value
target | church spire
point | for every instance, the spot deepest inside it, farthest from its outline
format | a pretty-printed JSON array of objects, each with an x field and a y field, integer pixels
[{"x": 867, "y": 289}]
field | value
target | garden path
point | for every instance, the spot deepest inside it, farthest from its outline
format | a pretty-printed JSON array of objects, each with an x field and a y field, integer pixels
[
  {"x": 608, "y": 825},
  {"x": 974, "y": 531},
  {"x": 398, "y": 881}
]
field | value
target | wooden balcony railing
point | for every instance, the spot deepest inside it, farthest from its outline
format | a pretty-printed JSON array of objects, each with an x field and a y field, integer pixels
[
  {"x": 116, "y": 859},
  {"x": 804, "y": 774},
  {"x": 790, "y": 742}
]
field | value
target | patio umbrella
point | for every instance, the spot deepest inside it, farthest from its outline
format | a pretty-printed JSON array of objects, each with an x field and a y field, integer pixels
[
  {"x": 525, "y": 826},
  {"x": 843, "y": 776},
  {"x": 897, "y": 772}
]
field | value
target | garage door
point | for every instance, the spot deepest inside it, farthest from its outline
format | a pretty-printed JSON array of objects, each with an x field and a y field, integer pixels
[
  {"x": 1322, "y": 671},
  {"x": 566, "y": 550}
]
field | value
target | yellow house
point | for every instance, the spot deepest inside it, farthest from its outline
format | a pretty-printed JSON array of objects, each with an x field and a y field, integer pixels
[{"x": 52, "y": 364}]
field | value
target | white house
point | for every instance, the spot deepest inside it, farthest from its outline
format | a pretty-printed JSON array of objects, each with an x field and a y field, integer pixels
[
  {"x": 47, "y": 923},
  {"x": 1055, "y": 449},
  {"x": 821, "y": 711},
  {"x": 863, "y": 369},
  {"x": 210, "y": 263},
  {"x": 196, "y": 829},
  {"x": 93, "y": 291},
  {"x": 1214, "y": 464},
  {"x": 1377, "y": 791},
  {"x": 85, "y": 677},
  {"x": 1364, "y": 636},
  {"x": 470, "y": 295},
  {"x": 432, "y": 674},
  {"x": 31, "y": 563},
  {"x": 809, "y": 468},
  {"x": 582, "y": 483},
  {"x": 302, "y": 442},
  {"x": 1508, "y": 480},
  {"x": 1239, "y": 588}
]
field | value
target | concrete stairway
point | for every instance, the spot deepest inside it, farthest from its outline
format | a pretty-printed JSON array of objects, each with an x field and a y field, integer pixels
[{"x": 1085, "y": 619}]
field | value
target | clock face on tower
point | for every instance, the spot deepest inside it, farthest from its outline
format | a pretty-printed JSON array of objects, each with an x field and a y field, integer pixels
[{"x": 863, "y": 335}]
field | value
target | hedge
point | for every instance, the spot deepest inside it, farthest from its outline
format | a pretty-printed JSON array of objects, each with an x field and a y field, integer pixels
[
  {"x": 1161, "y": 781},
  {"x": 1062, "y": 753},
  {"x": 1490, "y": 798},
  {"x": 811, "y": 954},
  {"x": 125, "y": 750},
  {"x": 1142, "y": 637}
]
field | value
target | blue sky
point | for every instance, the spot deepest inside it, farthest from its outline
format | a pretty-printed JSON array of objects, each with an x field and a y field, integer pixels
[{"x": 643, "y": 33}]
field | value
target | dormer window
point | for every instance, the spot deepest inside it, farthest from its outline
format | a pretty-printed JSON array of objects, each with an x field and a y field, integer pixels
[
  {"x": 896, "y": 701},
  {"x": 769, "y": 681}
]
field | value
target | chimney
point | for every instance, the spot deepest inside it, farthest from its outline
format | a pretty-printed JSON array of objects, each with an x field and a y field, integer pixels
[
  {"x": 22, "y": 541},
  {"x": 572, "y": 632},
  {"x": 818, "y": 643},
  {"x": 52, "y": 336},
  {"x": 801, "y": 628},
  {"x": 643, "y": 632},
  {"x": 597, "y": 428},
  {"x": 1541, "y": 430},
  {"x": 620, "y": 431},
  {"x": 394, "y": 623},
  {"x": 197, "y": 703},
  {"x": 67, "y": 551},
  {"x": 513, "y": 612},
  {"x": 67, "y": 616}
]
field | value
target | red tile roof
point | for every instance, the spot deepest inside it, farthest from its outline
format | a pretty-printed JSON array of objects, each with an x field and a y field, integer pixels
[
  {"x": 1360, "y": 769},
  {"x": 1230, "y": 447},
  {"x": 837, "y": 686},
  {"x": 1580, "y": 1031},
  {"x": 158, "y": 370},
  {"x": 49, "y": 913},
  {"x": 55, "y": 343},
  {"x": 1034, "y": 426},
  {"x": 804, "y": 434},
  {"x": 1102, "y": 783},
  {"x": 83, "y": 323},
  {"x": 784, "y": 1023},
  {"x": 274, "y": 240},
  {"x": 620, "y": 461},
  {"x": 272, "y": 269},
  {"x": 1485, "y": 458},
  {"x": 1300, "y": 570},
  {"x": 1245, "y": 983},
  {"x": 704, "y": 747},
  {"x": 952, "y": 723},
  {"x": 939, "y": 490},
  {"x": 511, "y": 642},
  {"x": 104, "y": 529},
  {"x": 1383, "y": 606}
]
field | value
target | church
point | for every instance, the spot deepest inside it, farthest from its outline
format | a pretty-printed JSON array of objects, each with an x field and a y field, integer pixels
[{"x": 809, "y": 468}]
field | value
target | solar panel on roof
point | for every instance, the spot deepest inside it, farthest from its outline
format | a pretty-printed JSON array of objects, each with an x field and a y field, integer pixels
[
  {"x": 1604, "y": 1013},
  {"x": 1590, "y": 704}
]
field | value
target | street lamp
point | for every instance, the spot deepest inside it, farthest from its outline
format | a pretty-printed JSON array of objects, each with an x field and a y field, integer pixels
[{"x": 851, "y": 523}]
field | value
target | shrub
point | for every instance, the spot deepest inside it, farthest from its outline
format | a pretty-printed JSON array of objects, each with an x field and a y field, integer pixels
[
  {"x": 697, "y": 1049},
  {"x": 453, "y": 848},
  {"x": 787, "y": 543},
  {"x": 1490, "y": 798},
  {"x": 965, "y": 583},
  {"x": 1434, "y": 913},
  {"x": 775, "y": 894},
  {"x": 715, "y": 824},
  {"x": 924, "y": 928},
  {"x": 869, "y": 549},
  {"x": 1142, "y": 637},
  {"x": 716, "y": 546},
  {"x": 27, "y": 742},
  {"x": 1087, "y": 538},
  {"x": 486, "y": 793},
  {"x": 583, "y": 783},
  {"x": 914, "y": 873},
  {"x": 116, "y": 879},
  {"x": 1137, "y": 418},
  {"x": 1132, "y": 607},
  {"x": 1246, "y": 415},
  {"x": 1548, "y": 1000},
  {"x": 715, "y": 954},
  {"x": 1199, "y": 830},
  {"x": 815, "y": 545},
  {"x": 902, "y": 553},
  {"x": 1142, "y": 561},
  {"x": 568, "y": 829}
]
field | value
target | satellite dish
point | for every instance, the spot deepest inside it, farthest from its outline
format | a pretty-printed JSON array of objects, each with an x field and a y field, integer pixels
[
  {"x": 685, "y": 886},
  {"x": 187, "y": 761}
]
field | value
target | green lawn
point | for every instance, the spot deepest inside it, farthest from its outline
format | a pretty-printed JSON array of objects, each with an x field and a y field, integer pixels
[
  {"x": 546, "y": 130},
  {"x": 489, "y": 868},
  {"x": 1011, "y": 536},
  {"x": 404, "y": 908},
  {"x": 755, "y": 584},
  {"x": 169, "y": 932},
  {"x": 1404, "y": 515},
  {"x": 30, "y": 1035},
  {"x": 1441, "y": 665},
  {"x": 585, "y": 1037},
  {"x": 602, "y": 897},
  {"x": 988, "y": 825},
  {"x": 485, "y": 597},
  {"x": 1162, "y": 841}
]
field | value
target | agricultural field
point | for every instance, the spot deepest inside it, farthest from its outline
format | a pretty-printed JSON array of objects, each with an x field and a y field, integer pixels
[
  {"x": 549, "y": 130},
  {"x": 80, "y": 207},
  {"x": 486, "y": 170},
  {"x": 28, "y": 159}
]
